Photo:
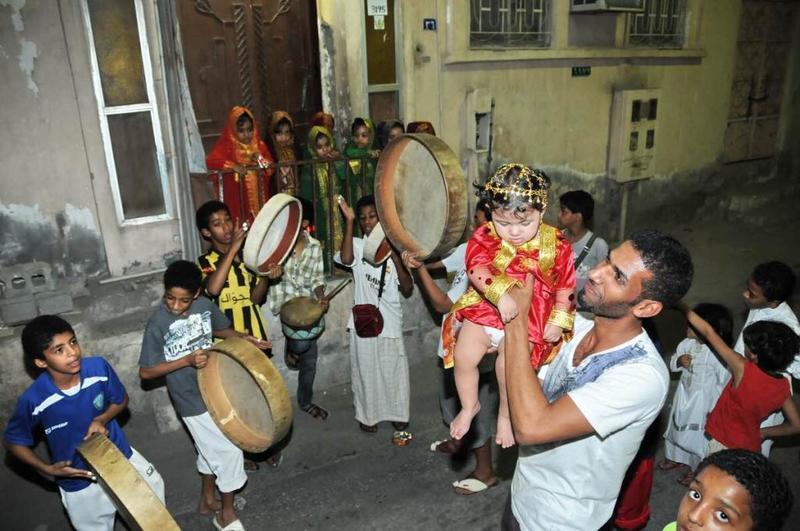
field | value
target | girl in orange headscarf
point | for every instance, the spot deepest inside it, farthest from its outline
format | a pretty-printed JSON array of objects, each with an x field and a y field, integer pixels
[
  {"x": 238, "y": 147},
  {"x": 281, "y": 130}
]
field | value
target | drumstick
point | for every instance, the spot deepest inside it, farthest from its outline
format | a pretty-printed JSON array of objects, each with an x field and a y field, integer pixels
[{"x": 338, "y": 288}]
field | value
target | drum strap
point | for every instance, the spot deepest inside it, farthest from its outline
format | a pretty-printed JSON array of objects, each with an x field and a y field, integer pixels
[{"x": 383, "y": 276}]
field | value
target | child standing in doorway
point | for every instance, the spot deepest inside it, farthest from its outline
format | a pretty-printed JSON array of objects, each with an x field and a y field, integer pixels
[
  {"x": 361, "y": 146},
  {"x": 500, "y": 255}
]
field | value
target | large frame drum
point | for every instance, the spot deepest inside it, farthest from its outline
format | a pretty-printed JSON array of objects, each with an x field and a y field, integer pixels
[
  {"x": 133, "y": 497},
  {"x": 421, "y": 195},
  {"x": 245, "y": 395},
  {"x": 274, "y": 231}
]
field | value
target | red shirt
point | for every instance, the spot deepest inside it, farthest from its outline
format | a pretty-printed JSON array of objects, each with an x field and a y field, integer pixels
[{"x": 736, "y": 419}]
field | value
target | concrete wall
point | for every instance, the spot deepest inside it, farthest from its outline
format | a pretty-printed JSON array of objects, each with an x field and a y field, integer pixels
[
  {"x": 56, "y": 202},
  {"x": 543, "y": 116}
]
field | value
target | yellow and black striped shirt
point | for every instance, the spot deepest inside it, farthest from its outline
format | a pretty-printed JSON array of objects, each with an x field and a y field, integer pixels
[{"x": 234, "y": 298}]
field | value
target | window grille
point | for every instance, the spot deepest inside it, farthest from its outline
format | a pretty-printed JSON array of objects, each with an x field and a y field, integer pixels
[
  {"x": 509, "y": 23},
  {"x": 660, "y": 25}
]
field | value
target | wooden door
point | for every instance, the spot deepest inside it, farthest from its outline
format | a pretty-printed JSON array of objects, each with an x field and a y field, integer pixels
[
  {"x": 763, "y": 48},
  {"x": 262, "y": 54}
]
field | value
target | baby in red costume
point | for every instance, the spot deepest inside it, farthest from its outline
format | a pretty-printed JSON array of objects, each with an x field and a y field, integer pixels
[{"x": 500, "y": 254}]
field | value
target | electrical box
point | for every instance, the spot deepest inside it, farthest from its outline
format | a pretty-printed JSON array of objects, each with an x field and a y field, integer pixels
[
  {"x": 634, "y": 134},
  {"x": 588, "y": 6}
]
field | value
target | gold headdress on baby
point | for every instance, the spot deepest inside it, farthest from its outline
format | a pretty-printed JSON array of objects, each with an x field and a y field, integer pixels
[{"x": 515, "y": 180}]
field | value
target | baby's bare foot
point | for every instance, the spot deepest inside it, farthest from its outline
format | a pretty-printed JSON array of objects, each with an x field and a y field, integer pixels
[
  {"x": 460, "y": 425},
  {"x": 505, "y": 433}
]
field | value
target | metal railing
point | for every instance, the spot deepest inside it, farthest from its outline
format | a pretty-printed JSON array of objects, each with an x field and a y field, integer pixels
[{"x": 363, "y": 181}]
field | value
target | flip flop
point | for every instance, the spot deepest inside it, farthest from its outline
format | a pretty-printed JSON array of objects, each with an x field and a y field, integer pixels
[
  {"x": 275, "y": 460},
  {"x": 315, "y": 411},
  {"x": 251, "y": 466},
  {"x": 236, "y": 525},
  {"x": 470, "y": 486}
]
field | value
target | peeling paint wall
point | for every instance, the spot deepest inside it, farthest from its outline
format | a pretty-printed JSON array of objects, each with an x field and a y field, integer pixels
[{"x": 56, "y": 198}]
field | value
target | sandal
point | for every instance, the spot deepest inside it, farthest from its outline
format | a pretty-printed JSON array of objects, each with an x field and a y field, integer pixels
[
  {"x": 471, "y": 485},
  {"x": 666, "y": 464},
  {"x": 402, "y": 438},
  {"x": 315, "y": 411},
  {"x": 291, "y": 360},
  {"x": 400, "y": 426},
  {"x": 368, "y": 429}
]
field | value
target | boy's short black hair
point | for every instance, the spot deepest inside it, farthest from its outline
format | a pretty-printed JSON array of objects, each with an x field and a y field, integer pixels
[
  {"x": 579, "y": 202},
  {"x": 669, "y": 262},
  {"x": 774, "y": 343},
  {"x": 770, "y": 494},
  {"x": 720, "y": 319},
  {"x": 205, "y": 211},
  {"x": 38, "y": 334},
  {"x": 308, "y": 210},
  {"x": 775, "y": 279},
  {"x": 358, "y": 122},
  {"x": 183, "y": 274},
  {"x": 367, "y": 200}
]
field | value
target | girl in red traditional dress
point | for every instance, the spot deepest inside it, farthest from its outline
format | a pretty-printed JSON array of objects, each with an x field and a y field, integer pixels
[
  {"x": 239, "y": 147},
  {"x": 501, "y": 254}
]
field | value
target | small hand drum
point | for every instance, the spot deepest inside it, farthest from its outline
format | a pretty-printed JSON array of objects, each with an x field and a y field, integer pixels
[
  {"x": 421, "y": 195},
  {"x": 301, "y": 318},
  {"x": 245, "y": 395},
  {"x": 274, "y": 231},
  {"x": 133, "y": 497}
]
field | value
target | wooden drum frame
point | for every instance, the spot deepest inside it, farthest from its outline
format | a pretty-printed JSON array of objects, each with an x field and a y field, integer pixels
[
  {"x": 421, "y": 195},
  {"x": 274, "y": 231},
  {"x": 245, "y": 395},
  {"x": 135, "y": 500}
]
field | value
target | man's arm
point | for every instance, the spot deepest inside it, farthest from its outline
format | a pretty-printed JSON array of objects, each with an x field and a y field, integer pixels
[
  {"x": 534, "y": 419},
  {"x": 439, "y": 299}
]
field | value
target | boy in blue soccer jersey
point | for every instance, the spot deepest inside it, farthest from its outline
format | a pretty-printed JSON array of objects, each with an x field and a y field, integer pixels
[{"x": 73, "y": 399}]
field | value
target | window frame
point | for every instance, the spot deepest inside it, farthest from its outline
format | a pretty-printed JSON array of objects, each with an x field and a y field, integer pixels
[{"x": 151, "y": 106}]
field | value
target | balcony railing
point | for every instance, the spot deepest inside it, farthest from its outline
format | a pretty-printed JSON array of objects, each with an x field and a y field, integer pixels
[{"x": 351, "y": 187}]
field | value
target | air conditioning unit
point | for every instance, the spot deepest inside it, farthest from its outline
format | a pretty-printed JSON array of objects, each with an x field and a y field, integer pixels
[{"x": 589, "y": 6}]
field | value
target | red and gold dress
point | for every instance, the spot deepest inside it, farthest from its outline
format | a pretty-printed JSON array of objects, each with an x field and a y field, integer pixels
[
  {"x": 495, "y": 265},
  {"x": 243, "y": 195}
]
